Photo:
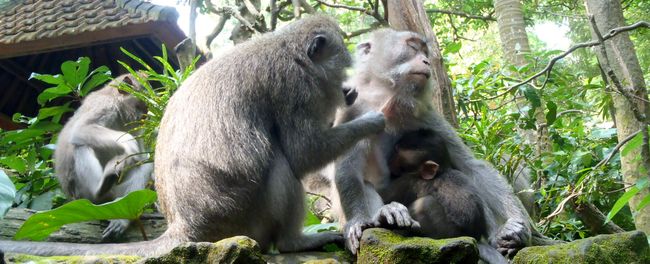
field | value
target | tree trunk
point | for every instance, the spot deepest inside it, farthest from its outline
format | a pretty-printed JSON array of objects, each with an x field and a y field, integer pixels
[
  {"x": 619, "y": 59},
  {"x": 410, "y": 15},
  {"x": 512, "y": 30}
]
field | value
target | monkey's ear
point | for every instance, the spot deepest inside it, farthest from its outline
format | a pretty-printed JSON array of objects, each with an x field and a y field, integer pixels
[
  {"x": 364, "y": 47},
  {"x": 128, "y": 80},
  {"x": 316, "y": 47},
  {"x": 428, "y": 170}
]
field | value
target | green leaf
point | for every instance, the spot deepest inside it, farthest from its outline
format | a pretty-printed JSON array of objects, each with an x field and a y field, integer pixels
[
  {"x": 532, "y": 96},
  {"x": 621, "y": 202},
  {"x": 643, "y": 202},
  {"x": 632, "y": 144},
  {"x": 14, "y": 163},
  {"x": 453, "y": 47},
  {"x": 316, "y": 228},
  {"x": 47, "y": 78},
  {"x": 97, "y": 77},
  {"x": 7, "y": 193},
  {"x": 74, "y": 72},
  {"x": 551, "y": 114},
  {"x": 55, "y": 111},
  {"x": 42, "y": 224},
  {"x": 54, "y": 92}
]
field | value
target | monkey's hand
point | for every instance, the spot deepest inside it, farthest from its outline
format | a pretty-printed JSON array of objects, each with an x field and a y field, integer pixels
[
  {"x": 376, "y": 120},
  {"x": 352, "y": 232},
  {"x": 511, "y": 237},
  {"x": 115, "y": 229},
  {"x": 394, "y": 214}
]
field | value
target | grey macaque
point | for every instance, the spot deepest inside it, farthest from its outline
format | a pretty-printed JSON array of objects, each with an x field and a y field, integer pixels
[
  {"x": 238, "y": 136},
  {"x": 438, "y": 196},
  {"x": 392, "y": 71},
  {"x": 96, "y": 156}
]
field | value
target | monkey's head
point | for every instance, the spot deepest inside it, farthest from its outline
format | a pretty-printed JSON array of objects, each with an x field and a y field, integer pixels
[
  {"x": 320, "y": 50},
  {"x": 127, "y": 100},
  {"x": 399, "y": 57},
  {"x": 420, "y": 151}
]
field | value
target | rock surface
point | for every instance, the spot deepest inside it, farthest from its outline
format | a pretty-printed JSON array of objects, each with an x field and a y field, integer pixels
[
  {"x": 384, "y": 246},
  {"x": 629, "y": 247}
]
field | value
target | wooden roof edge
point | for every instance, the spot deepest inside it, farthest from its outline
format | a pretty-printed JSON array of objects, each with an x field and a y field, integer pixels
[{"x": 165, "y": 31}]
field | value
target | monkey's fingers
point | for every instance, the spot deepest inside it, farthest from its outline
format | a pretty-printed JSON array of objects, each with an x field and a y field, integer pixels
[{"x": 353, "y": 236}]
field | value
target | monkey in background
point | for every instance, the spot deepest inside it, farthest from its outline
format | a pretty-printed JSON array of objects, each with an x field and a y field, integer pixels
[
  {"x": 438, "y": 196},
  {"x": 393, "y": 70},
  {"x": 239, "y": 135},
  {"x": 95, "y": 149}
]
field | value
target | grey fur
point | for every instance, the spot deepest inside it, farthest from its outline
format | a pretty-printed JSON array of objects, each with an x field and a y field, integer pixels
[
  {"x": 242, "y": 131},
  {"x": 380, "y": 78},
  {"x": 95, "y": 148}
]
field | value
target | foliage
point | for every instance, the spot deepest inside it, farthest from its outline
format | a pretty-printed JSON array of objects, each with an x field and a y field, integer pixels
[
  {"x": 27, "y": 153},
  {"x": 7, "y": 193},
  {"x": 42, "y": 224}
]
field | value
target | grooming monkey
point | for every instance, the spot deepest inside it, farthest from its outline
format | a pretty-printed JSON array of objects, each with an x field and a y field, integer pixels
[
  {"x": 95, "y": 149},
  {"x": 238, "y": 136},
  {"x": 438, "y": 196},
  {"x": 392, "y": 72}
]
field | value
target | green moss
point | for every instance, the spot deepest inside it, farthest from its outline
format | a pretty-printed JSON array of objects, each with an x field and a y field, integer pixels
[
  {"x": 21, "y": 258},
  {"x": 629, "y": 247},
  {"x": 239, "y": 249},
  {"x": 384, "y": 246}
]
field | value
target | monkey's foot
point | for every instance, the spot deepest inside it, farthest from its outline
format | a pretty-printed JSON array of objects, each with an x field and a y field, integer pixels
[
  {"x": 115, "y": 229},
  {"x": 394, "y": 214},
  {"x": 512, "y": 237}
]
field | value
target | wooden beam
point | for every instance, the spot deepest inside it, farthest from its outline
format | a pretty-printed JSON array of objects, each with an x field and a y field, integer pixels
[
  {"x": 20, "y": 73},
  {"x": 165, "y": 31}
]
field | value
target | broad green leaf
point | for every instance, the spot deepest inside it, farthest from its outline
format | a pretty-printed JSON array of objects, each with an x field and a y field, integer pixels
[
  {"x": 20, "y": 135},
  {"x": 97, "y": 77},
  {"x": 7, "y": 193},
  {"x": 621, "y": 202},
  {"x": 54, "y": 92},
  {"x": 14, "y": 163},
  {"x": 551, "y": 114},
  {"x": 453, "y": 47},
  {"x": 632, "y": 144},
  {"x": 42, "y": 224},
  {"x": 316, "y": 228},
  {"x": 603, "y": 133},
  {"x": 74, "y": 72},
  {"x": 47, "y": 78},
  {"x": 532, "y": 96},
  {"x": 55, "y": 111}
]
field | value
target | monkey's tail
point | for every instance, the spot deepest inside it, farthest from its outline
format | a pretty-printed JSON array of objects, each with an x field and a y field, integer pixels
[{"x": 155, "y": 247}]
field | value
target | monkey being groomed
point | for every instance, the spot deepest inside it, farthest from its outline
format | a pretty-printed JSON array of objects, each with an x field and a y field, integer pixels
[
  {"x": 392, "y": 72},
  {"x": 96, "y": 156},
  {"x": 439, "y": 197},
  {"x": 238, "y": 136}
]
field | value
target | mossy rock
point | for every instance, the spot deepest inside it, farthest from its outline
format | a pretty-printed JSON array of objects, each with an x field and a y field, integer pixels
[
  {"x": 239, "y": 249},
  {"x": 21, "y": 258},
  {"x": 311, "y": 257},
  {"x": 629, "y": 247},
  {"x": 384, "y": 246}
]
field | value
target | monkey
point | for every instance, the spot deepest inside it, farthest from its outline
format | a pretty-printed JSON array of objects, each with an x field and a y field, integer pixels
[
  {"x": 438, "y": 196},
  {"x": 392, "y": 72},
  {"x": 237, "y": 137},
  {"x": 95, "y": 148}
]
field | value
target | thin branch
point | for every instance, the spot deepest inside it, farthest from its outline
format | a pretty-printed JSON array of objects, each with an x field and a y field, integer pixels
[
  {"x": 462, "y": 14},
  {"x": 373, "y": 13},
  {"x": 217, "y": 29},
  {"x": 553, "y": 60},
  {"x": 616, "y": 149},
  {"x": 361, "y": 31}
]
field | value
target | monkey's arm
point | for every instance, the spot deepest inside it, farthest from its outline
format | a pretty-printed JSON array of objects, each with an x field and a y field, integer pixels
[
  {"x": 309, "y": 152},
  {"x": 358, "y": 201},
  {"x": 105, "y": 140}
]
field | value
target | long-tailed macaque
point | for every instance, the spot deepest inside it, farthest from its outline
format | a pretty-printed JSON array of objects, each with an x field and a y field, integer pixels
[
  {"x": 96, "y": 156},
  {"x": 393, "y": 71},
  {"x": 438, "y": 196},
  {"x": 238, "y": 136}
]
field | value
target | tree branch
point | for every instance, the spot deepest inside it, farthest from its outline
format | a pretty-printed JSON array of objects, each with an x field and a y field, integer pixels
[
  {"x": 373, "y": 13},
  {"x": 553, "y": 60},
  {"x": 462, "y": 14}
]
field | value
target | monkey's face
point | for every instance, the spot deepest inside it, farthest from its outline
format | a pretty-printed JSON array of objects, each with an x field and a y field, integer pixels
[{"x": 400, "y": 57}]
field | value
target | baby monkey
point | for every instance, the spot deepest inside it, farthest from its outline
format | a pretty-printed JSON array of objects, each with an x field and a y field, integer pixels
[{"x": 438, "y": 196}]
